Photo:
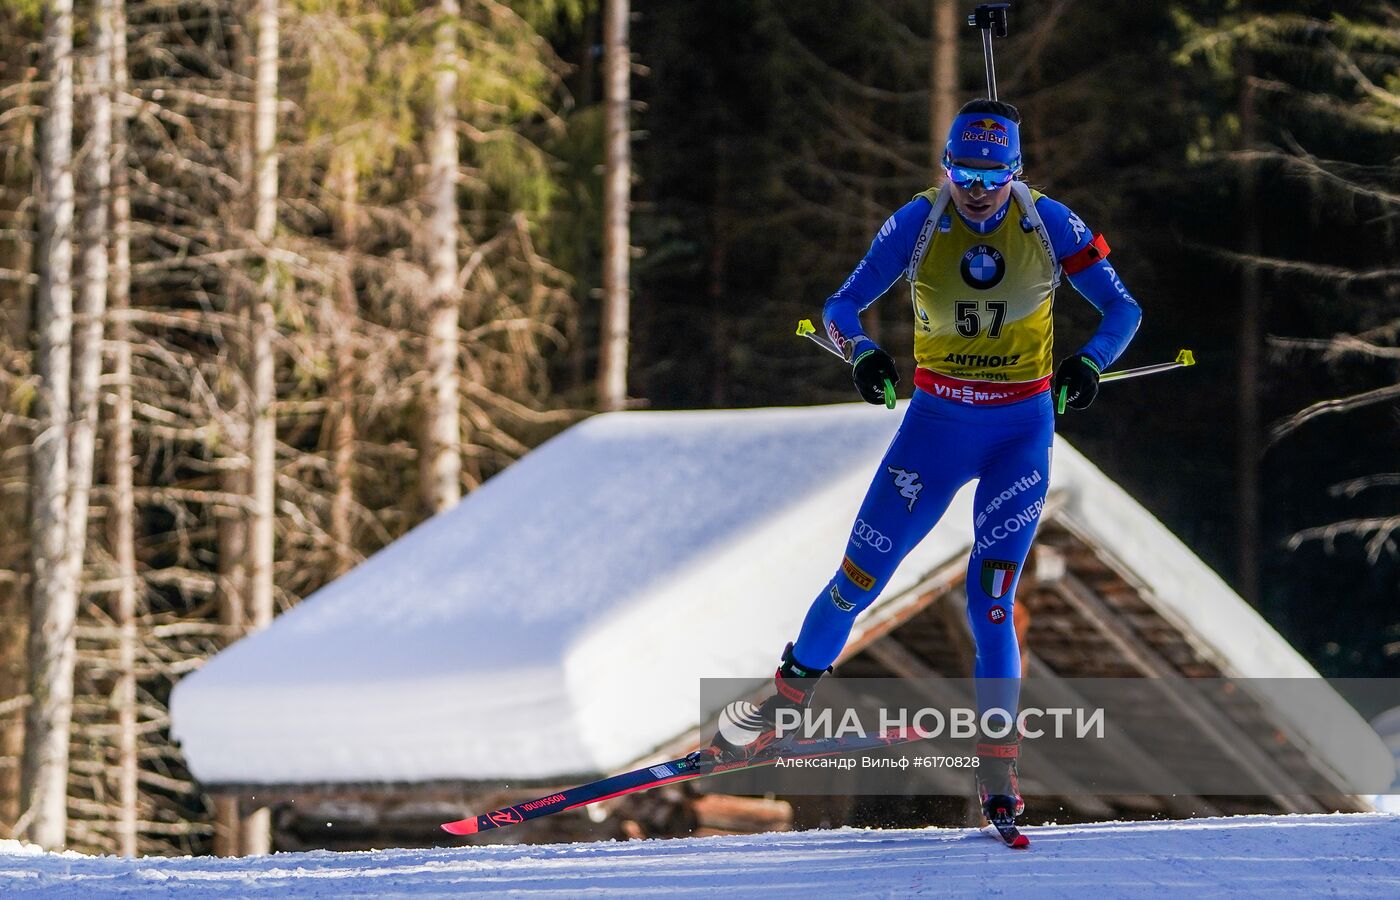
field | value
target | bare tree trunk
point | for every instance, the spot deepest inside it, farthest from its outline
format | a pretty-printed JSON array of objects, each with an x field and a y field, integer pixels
[
  {"x": 255, "y": 838},
  {"x": 343, "y": 428},
  {"x": 96, "y": 183},
  {"x": 232, "y": 538},
  {"x": 943, "y": 80},
  {"x": 15, "y": 329},
  {"x": 443, "y": 457},
  {"x": 617, "y": 194},
  {"x": 93, "y": 179},
  {"x": 54, "y": 601},
  {"x": 231, "y": 529},
  {"x": 262, "y": 462},
  {"x": 122, "y": 520}
]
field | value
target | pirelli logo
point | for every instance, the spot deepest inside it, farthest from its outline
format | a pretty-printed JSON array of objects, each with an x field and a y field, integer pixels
[{"x": 859, "y": 577}]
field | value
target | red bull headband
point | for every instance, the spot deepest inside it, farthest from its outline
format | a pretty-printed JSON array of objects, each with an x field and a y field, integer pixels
[{"x": 985, "y": 136}]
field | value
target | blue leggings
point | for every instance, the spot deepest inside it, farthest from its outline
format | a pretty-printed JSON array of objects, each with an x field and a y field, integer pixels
[{"x": 942, "y": 445}]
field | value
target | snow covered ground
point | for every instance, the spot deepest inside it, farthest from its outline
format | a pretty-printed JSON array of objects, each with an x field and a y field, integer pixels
[{"x": 1263, "y": 856}]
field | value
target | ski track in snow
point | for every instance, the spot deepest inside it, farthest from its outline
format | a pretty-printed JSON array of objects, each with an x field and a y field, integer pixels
[{"x": 1253, "y": 856}]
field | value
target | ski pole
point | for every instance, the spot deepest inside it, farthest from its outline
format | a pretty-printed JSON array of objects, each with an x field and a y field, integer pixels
[
  {"x": 1183, "y": 359},
  {"x": 806, "y": 329},
  {"x": 991, "y": 18}
]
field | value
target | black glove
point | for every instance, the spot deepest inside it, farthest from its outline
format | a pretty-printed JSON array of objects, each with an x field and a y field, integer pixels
[
  {"x": 1079, "y": 378},
  {"x": 869, "y": 371}
]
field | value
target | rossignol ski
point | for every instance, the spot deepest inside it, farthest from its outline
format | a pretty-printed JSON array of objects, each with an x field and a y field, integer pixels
[
  {"x": 1003, "y": 828},
  {"x": 698, "y": 764}
]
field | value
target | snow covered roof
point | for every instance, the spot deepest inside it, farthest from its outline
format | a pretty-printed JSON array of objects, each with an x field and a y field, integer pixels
[{"x": 557, "y": 620}]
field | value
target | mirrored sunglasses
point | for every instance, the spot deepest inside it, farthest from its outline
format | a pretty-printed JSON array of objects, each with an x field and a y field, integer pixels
[{"x": 991, "y": 179}]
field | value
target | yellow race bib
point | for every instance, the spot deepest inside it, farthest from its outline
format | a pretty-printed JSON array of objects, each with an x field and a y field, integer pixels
[{"x": 983, "y": 302}]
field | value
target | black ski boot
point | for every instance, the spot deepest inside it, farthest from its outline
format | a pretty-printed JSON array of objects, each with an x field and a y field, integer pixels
[
  {"x": 745, "y": 730},
  {"x": 998, "y": 782}
]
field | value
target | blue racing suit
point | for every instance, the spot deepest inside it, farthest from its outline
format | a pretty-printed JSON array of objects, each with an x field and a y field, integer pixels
[{"x": 985, "y": 414}]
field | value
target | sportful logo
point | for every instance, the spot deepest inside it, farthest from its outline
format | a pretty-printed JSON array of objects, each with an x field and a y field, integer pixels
[
  {"x": 1021, "y": 484},
  {"x": 864, "y": 535},
  {"x": 908, "y": 484},
  {"x": 888, "y": 228},
  {"x": 1026, "y": 518}
]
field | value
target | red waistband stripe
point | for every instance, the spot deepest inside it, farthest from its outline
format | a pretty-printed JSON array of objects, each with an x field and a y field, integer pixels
[{"x": 977, "y": 393}]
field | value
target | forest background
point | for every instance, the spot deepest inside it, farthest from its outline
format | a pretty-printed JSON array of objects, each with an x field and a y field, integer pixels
[{"x": 281, "y": 278}]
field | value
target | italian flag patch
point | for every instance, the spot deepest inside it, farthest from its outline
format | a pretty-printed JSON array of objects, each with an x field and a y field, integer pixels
[{"x": 997, "y": 576}]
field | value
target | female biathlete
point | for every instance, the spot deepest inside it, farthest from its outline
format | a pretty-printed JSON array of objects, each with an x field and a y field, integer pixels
[{"x": 983, "y": 255}]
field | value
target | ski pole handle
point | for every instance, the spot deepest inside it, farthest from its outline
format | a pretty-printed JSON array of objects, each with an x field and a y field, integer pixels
[{"x": 807, "y": 330}]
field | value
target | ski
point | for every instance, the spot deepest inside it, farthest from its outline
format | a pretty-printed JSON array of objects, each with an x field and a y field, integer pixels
[
  {"x": 686, "y": 768},
  {"x": 1007, "y": 833}
]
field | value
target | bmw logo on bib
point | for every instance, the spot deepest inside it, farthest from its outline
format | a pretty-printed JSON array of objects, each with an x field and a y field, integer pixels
[{"x": 983, "y": 267}]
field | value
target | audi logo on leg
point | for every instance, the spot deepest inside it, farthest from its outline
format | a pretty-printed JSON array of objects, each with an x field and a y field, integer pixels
[{"x": 864, "y": 533}]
